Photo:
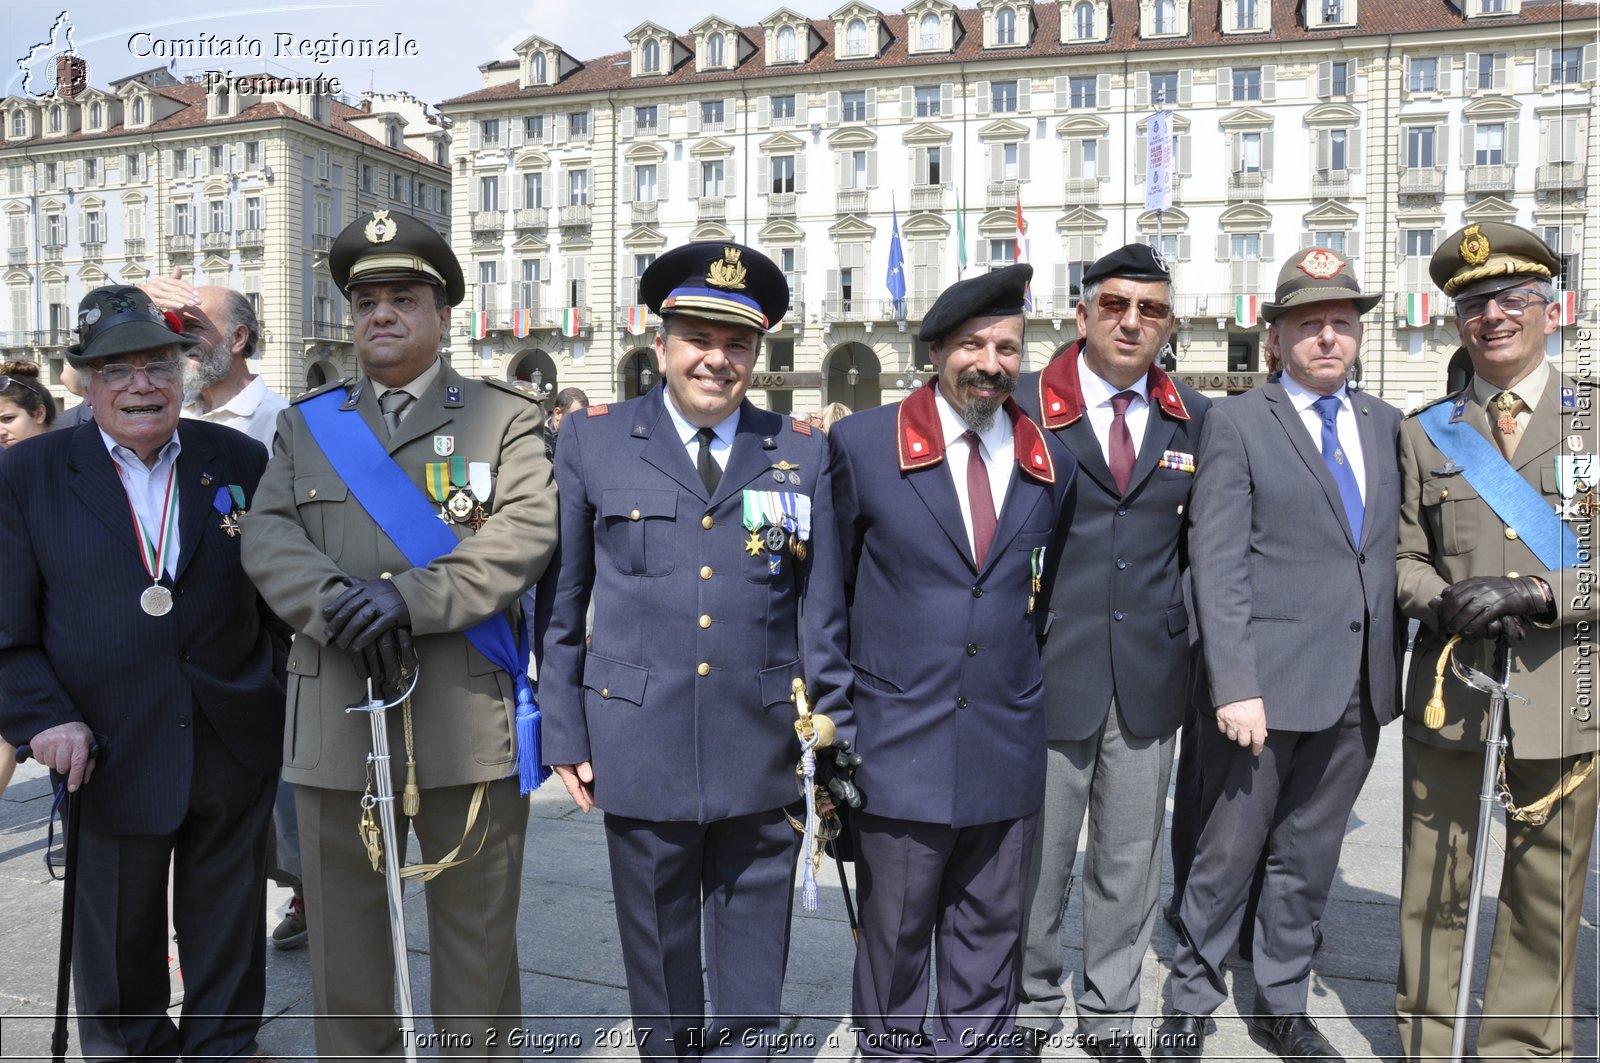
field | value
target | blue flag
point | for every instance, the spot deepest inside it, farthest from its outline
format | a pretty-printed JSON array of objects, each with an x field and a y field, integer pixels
[{"x": 896, "y": 279}]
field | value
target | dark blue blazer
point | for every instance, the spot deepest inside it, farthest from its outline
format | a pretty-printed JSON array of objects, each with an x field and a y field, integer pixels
[
  {"x": 75, "y": 646},
  {"x": 681, "y": 697},
  {"x": 1117, "y": 622},
  {"x": 948, "y": 712}
]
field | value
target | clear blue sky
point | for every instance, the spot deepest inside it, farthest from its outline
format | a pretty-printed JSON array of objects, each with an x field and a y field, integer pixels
[{"x": 453, "y": 38}]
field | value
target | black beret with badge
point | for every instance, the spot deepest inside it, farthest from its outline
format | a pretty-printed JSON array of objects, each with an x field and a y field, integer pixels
[
  {"x": 997, "y": 293},
  {"x": 1316, "y": 275},
  {"x": 120, "y": 319},
  {"x": 387, "y": 245},
  {"x": 1135, "y": 262},
  {"x": 1490, "y": 249},
  {"x": 719, "y": 281}
]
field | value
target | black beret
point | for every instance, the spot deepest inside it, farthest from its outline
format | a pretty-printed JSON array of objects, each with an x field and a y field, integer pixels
[
  {"x": 121, "y": 320},
  {"x": 387, "y": 245},
  {"x": 997, "y": 293},
  {"x": 717, "y": 280},
  {"x": 1135, "y": 262}
]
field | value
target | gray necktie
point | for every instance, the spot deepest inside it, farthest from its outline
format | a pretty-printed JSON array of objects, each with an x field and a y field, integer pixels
[{"x": 393, "y": 404}]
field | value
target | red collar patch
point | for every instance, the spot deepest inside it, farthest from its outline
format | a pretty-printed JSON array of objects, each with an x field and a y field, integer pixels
[
  {"x": 920, "y": 437},
  {"x": 1061, "y": 393}
]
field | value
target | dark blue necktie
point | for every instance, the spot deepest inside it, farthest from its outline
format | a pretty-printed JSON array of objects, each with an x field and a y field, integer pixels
[{"x": 1338, "y": 464}]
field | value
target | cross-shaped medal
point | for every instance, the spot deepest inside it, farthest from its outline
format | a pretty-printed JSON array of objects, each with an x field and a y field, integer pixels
[{"x": 1507, "y": 422}]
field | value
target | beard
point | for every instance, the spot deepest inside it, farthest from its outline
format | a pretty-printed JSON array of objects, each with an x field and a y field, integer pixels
[
  {"x": 206, "y": 365},
  {"x": 980, "y": 410}
]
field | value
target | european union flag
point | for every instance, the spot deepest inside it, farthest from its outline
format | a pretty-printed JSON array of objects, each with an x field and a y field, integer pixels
[{"x": 896, "y": 280}]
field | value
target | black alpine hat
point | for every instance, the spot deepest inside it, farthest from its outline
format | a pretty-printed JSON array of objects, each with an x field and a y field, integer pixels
[{"x": 120, "y": 319}]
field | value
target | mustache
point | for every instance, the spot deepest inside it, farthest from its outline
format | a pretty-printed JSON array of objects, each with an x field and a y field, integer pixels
[{"x": 1002, "y": 382}]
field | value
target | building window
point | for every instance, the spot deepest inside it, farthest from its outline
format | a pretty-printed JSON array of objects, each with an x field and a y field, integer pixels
[
  {"x": 1166, "y": 20},
  {"x": 19, "y": 125},
  {"x": 1083, "y": 21},
  {"x": 180, "y": 161},
  {"x": 711, "y": 178},
  {"x": 1002, "y": 252},
  {"x": 1250, "y": 153},
  {"x": 1091, "y": 159},
  {"x": 182, "y": 222},
  {"x": 783, "y": 173},
  {"x": 783, "y": 108},
  {"x": 1338, "y": 149},
  {"x": 1334, "y": 240},
  {"x": 1163, "y": 89},
  {"x": 252, "y": 154},
  {"x": 55, "y": 119},
  {"x": 1010, "y": 165},
  {"x": 489, "y": 193},
  {"x": 854, "y": 105},
  {"x": 322, "y": 217},
  {"x": 254, "y": 218},
  {"x": 216, "y": 162},
  {"x": 578, "y": 124},
  {"x": 1244, "y": 247},
  {"x": 55, "y": 230},
  {"x": 1483, "y": 76},
  {"x": 1424, "y": 75},
  {"x": 578, "y": 188},
  {"x": 1083, "y": 91},
  {"x": 489, "y": 132},
  {"x": 1489, "y": 144},
  {"x": 540, "y": 69},
  {"x": 786, "y": 44},
  {"x": 91, "y": 171},
  {"x": 138, "y": 110},
  {"x": 532, "y": 280},
  {"x": 855, "y": 37},
  {"x": 646, "y": 118},
  {"x": 930, "y": 168},
  {"x": 1003, "y": 96},
  {"x": 1566, "y": 66},
  {"x": 95, "y": 114},
  {"x": 1420, "y": 147},
  {"x": 714, "y": 50},
  {"x": 1339, "y": 78},
  {"x": 135, "y": 164},
  {"x": 1245, "y": 15},
  {"x": 644, "y": 183},
  {"x": 1332, "y": 11},
  {"x": 930, "y": 32},
  {"x": 711, "y": 114},
  {"x": 1247, "y": 84},
  {"x": 533, "y": 189},
  {"x": 855, "y": 171},
  {"x": 650, "y": 57},
  {"x": 219, "y": 216},
  {"x": 1418, "y": 243},
  {"x": 928, "y": 101},
  {"x": 1005, "y": 26},
  {"x": 52, "y": 175}
]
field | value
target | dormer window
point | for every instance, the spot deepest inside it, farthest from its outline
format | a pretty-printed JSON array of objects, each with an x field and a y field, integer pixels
[
  {"x": 394, "y": 135},
  {"x": 19, "y": 125},
  {"x": 138, "y": 110},
  {"x": 715, "y": 50},
  {"x": 55, "y": 119},
  {"x": 1005, "y": 25},
  {"x": 1083, "y": 20},
  {"x": 855, "y": 37},
  {"x": 96, "y": 115},
  {"x": 786, "y": 44},
  {"x": 540, "y": 68},
  {"x": 1245, "y": 15},
  {"x": 929, "y": 31},
  {"x": 650, "y": 57}
]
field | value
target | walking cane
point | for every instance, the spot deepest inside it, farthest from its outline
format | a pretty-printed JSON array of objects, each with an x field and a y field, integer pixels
[
  {"x": 69, "y": 907},
  {"x": 378, "y": 768},
  {"x": 1494, "y": 744}
]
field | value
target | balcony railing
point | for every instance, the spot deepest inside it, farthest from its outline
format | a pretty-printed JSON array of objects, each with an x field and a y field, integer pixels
[
  {"x": 850, "y": 203},
  {"x": 1496, "y": 178},
  {"x": 326, "y": 330},
  {"x": 488, "y": 221},
  {"x": 1422, "y": 181},
  {"x": 321, "y": 242},
  {"x": 55, "y": 337},
  {"x": 645, "y": 213},
  {"x": 215, "y": 241},
  {"x": 575, "y": 215},
  {"x": 252, "y": 238},
  {"x": 1560, "y": 177},
  {"x": 857, "y": 309},
  {"x": 781, "y": 205},
  {"x": 1002, "y": 194},
  {"x": 178, "y": 243},
  {"x": 94, "y": 249},
  {"x": 17, "y": 255},
  {"x": 711, "y": 208},
  {"x": 133, "y": 247},
  {"x": 532, "y": 218},
  {"x": 927, "y": 197},
  {"x": 54, "y": 252},
  {"x": 1245, "y": 185},
  {"x": 1330, "y": 184},
  {"x": 1082, "y": 190}
]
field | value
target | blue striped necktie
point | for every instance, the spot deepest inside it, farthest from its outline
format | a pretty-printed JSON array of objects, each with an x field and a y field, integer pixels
[{"x": 1333, "y": 455}]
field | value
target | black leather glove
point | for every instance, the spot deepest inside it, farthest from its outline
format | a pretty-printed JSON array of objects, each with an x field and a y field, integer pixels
[
  {"x": 1480, "y": 606},
  {"x": 836, "y": 769},
  {"x": 367, "y": 609}
]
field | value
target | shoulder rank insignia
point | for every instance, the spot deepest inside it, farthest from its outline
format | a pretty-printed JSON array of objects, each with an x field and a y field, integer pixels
[
  {"x": 803, "y": 427},
  {"x": 599, "y": 411},
  {"x": 1569, "y": 397},
  {"x": 452, "y": 396}
]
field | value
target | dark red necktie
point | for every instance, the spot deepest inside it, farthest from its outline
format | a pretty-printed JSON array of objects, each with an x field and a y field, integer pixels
[
  {"x": 980, "y": 499},
  {"x": 1121, "y": 440}
]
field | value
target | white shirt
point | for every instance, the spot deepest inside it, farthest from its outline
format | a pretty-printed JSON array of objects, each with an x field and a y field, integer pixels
[
  {"x": 1344, "y": 425},
  {"x": 690, "y": 434},
  {"x": 253, "y": 411},
  {"x": 996, "y": 446},
  {"x": 147, "y": 493},
  {"x": 1097, "y": 407}
]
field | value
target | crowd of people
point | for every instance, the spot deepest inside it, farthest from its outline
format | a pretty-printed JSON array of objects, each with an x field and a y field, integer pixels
[{"x": 998, "y": 608}]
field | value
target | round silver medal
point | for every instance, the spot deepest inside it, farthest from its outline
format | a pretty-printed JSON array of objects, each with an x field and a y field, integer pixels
[{"x": 156, "y": 600}]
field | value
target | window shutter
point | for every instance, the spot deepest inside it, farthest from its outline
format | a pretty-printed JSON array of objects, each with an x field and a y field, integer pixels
[
  {"x": 1352, "y": 244},
  {"x": 662, "y": 169},
  {"x": 1231, "y": 145},
  {"x": 1269, "y": 83},
  {"x": 1352, "y": 149},
  {"x": 517, "y": 132},
  {"x": 1469, "y": 138},
  {"x": 763, "y": 176},
  {"x": 908, "y": 103},
  {"x": 833, "y": 284},
  {"x": 730, "y": 114},
  {"x": 1224, "y": 84},
  {"x": 1266, "y": 247},
  {"x": 872, "y": 105},
  {"x": 1185, "y": 84},
  {"x": 1024, "y": 95},
  {"x": 1469, "y": 72},
  {"x": 1324, "y": 149},
  {"x": 1588, "y": 62},
  {"x": 1266, "y": 154},
  {"x": 1185, "y": 249},
  {"x": 1141, "y": 155},
  {"x": 763, "y": 111},
  {"x": 800, "y": 173},
  {"x": 561, "y": 189},
  {"x": 1441, "y": 145},
  {"x": 696, "y": 177},
  {"x": 1074, "y": 158},
  {"x": 517, "y": 196},
  {"x": 627, "y": 122},
  {"x": 1185, "y": 168},
  {"x": 980, "y": 92},
  {"x": 1405, "y": 72},
  {"x": 1222, "y": 247},
  {"x": 1141, "y": 90},
  {"x": 995, "y": 157},
  {"x": 1351, "y": 65},
  {"x": 833, "y": 108},
  {"x": 872, "y": 168},
  {"x": 1059, "y": 292},
  {"x": 1103, "y": 158},
  {"x": 475, "y": 136},
  {"x": 947, "y": 99},
  {"x": 1444, "y": 74},
  {"x": 800, "y": 259},
  {"x": 630, "y": 175},
  {"x": 472, "y": 195},
  {"x": 730, "y": 186},
  {"x": 1400, "y": 243},
  {"x": 1324, "y": 80},
  {"x": 1064, "y": 91},
  {"x": 1541, "y": 69},
  {"x": 555, "y": 129},
  {"x": 1513, "y": 134},
  {"x": 1023, "y": 152},
  {"x": 694, "y": 116},
  {"x": 1102, "y": 90}
]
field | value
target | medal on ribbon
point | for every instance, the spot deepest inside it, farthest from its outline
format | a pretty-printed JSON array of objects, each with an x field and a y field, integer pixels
[
  {"x": 480, "y": 483},
  {"x": 229, "y": 501},
  {"x": 460, "y": 504},
  {"x": 155, "y": 599},
  {"x": 436, "y": 477}
]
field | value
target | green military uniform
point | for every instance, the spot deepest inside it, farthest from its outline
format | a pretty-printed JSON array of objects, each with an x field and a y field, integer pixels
[
  {"x": 305, "y": 538},
  {"x": 1449, "y": 533}
]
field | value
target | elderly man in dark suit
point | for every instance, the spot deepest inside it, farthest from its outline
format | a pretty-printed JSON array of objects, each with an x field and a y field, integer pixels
[
  {"x": 127, "y": 619},
  {"x": 1116, "y": 645},
  {"x": 947, "y": 504},
  {"x": 701, "y": 530},
  {"x": 1295, "y": 511}
]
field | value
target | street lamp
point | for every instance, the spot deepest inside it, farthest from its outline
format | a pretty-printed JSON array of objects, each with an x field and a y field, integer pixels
[
  {"x": 646, "y": 377},
  {"x": 853, "y": 376}
]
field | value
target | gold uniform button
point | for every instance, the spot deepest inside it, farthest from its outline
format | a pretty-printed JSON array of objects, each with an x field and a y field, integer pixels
[
  {"x": 706, "y": 522},
  {"x": 1445, "y": 493},
  {"x": 634, "y": 515},
  {"x": 704, "y": 669},
  {"x": 705, "y": 571},
  {"x": 1511, "y": 533},
  {"x": 1512, "y": 575},
  {"x": 705, "y": 620},
  {"x": 605, "y": 692}
]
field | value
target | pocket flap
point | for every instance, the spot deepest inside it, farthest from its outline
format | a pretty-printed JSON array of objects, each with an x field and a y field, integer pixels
[
  {"x": 777, "y": 682},
  {"x": 1177, "y": 619},
  {"x": 637, "y": 503},
  {"x": 320, "y": 487},
  {"x": 614, "y": 679}
]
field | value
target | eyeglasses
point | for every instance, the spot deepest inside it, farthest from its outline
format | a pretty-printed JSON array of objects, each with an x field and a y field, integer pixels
[
  {"x": 118, "y": 376},
  {"x": 1513, "y": 302},
  {"x": 1117, "y": 306}
]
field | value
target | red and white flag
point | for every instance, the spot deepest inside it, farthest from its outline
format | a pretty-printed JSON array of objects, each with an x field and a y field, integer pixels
[
  {"x": 1021, "y": 252},
  {"x": 1568, "y": 301},
  {"x": 637, "y": 319}
]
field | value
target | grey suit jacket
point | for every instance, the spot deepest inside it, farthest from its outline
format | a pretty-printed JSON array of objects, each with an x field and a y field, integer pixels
[{"x": 1288, "y": 603}]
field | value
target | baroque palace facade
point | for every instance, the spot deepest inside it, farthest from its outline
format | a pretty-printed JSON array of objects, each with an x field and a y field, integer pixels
[
  {"x": 1372, "y": 128},
  {"x": 242, "y": 183}
]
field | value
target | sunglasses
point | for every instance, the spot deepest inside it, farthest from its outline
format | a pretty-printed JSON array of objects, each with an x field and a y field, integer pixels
[{"x": 1117, "y": 306}]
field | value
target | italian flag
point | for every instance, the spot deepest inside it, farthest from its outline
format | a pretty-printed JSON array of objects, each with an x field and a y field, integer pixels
[
  {"x": 636, "y": 319},
  {"x": 569, "y": 321},
  {"x": 1247, "y": 310},
  {"x": 480, "y": 324},
  {"x": 1419, "y": 307},
  {"x": 1021, "y": 252},
  {"x": 1568, "y": 301},
  {"x": 520, "y": 323}
]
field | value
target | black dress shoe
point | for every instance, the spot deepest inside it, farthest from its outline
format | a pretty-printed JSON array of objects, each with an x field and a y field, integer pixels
[
  {"x": 1117, "y": 1048},
  {"x": 1179, "y": 1037},
  {"x": 1030, "y": 1042},
  {"x": 1292, "y": 1037}
]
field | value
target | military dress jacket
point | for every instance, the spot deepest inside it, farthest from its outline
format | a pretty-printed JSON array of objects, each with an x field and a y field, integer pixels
[
  {"x": 75, "y": 646},
  {"x": 1291, "y": 607},
  {"x": 1448, "y": 532},
  {"x": 681, "y": 696},
  {"x": 949, "y": 711},
  {"x": 307, "y": 537},
  {"x": 1117, "y": 624}
]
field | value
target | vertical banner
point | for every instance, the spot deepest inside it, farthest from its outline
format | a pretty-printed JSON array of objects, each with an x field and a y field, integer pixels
[
  {"x": 480, "y": 324},
  {"x": 1418, "y": 308},
  {"x": 1158, "y": 162},
  {"x": 1247, "y": 310},
  {"x": 1021, "y": 252},
  {"x": 895, "y": 280}
]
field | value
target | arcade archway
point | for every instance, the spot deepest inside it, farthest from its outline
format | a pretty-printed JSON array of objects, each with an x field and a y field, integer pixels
[{"x": 851, "y": 375}]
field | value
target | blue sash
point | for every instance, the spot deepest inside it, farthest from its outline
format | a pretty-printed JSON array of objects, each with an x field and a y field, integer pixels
[
  {"x": 404, "y": 514},
  {"x": 1514, "y": 500}
]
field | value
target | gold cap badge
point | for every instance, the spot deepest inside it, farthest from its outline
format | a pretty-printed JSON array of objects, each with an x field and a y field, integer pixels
[
  {"x": 380, "y": 230},
  {"x": 728, "y": 273},
  {"x": 1321, "y": 264},
  {"x": 1475, "y": 249}
]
